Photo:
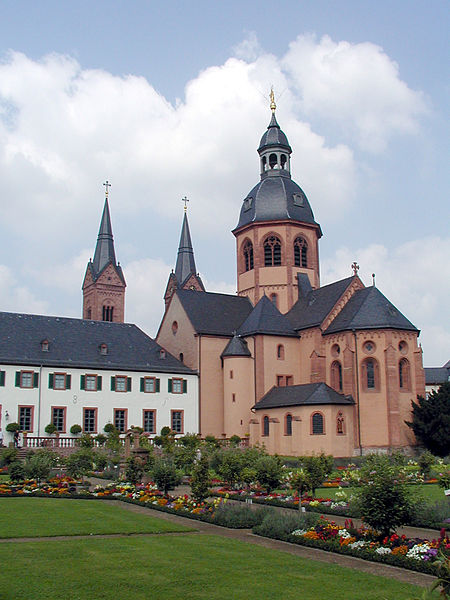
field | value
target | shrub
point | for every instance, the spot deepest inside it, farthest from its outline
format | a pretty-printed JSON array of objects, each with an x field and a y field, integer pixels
[
  {"x": 7, "y": 456},
  {"x": 200, "y": 480},
  {"x": 50, "y": 429},
  {"x": 75, "y": 429},
  {"x": 210, "y": 440},
  {"x": 280, "y": 525},
  {"x": 100, "y": 439},
  {"x": 165, "y": 474},
  {"x": 13, "y": 427},
  {"x": 39, "y": 464},
  {"x": 269, "y": 470},
  {"x": 134, "y": 470},
  {"x": 230, "y": 466},
  {"x": 238, "y": 516},
  {"x": 79, "y": 463},
  {"x": 299, "y": 481},
  {"x": 425, "y": 461},
  {"x": 16, "y": 471},
  {"x": 109, "y": 428},
  {"x": 429, "y": 515},
  {"x": 431, "y": 420},
  {"x": 100, "y": 461},
  {"x": 235, "y": 440},
  {"x": 85, "y": 441}
]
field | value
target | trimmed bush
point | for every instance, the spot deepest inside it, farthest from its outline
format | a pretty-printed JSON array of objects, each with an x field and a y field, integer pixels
[
  {"x": 236, "y": 516},
  {"x": 279, "y": 525}
]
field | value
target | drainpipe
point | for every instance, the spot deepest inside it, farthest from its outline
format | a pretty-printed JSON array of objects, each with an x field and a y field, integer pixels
[
  {"x": 357, "y": 392},
  {"x": 39, "y": 401}
]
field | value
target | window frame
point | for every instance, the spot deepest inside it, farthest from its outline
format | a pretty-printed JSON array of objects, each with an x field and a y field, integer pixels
[
  {"x": 318, "y": 413},
  {"x": 26, "y": 406},
  {"x": 149, "y": 379},
  {"x": 336, "y": 376},
  {"x": 288, "y": 424},
  {"x": 153, "y": 411},
  {"x": 91, "y": 376},
  {"x": 173, "y": 412},
  {"x": 59, "y": 374},
  {"x": 404, "y": 375},
  {"x": 125, "y": 419},
  {"x": 26, "y": 387},
  {"x": 365, "y": 375},
  {"x": 301, "y": 252},
  {"x": 64, "y": 416},
  {"x": 95, "y": 409},
  {"x": 271, "y": 244},
  {"x": 265, "y": 422}
]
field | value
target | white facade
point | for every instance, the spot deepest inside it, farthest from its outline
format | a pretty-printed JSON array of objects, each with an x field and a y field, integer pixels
[{"x": 28, "y": 397}]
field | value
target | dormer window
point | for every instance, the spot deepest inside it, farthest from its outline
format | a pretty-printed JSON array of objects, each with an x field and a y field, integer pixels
[
  {"x": 248, "y": 203},
  {"x": 103, "y": 349},
  {"x": 44, "y": 345},
  {"x": 162, "y": 353}
]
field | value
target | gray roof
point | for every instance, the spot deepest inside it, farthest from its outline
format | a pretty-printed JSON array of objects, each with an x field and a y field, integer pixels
[
  {"x": 236, "y": 347},
  {"x": 76, "y": 343},
  {"x": 266, "y": 318},
  {"x": 185, "y": 266},
  {"x": 312, "y": 309},
  {"x": 274, "y": 136},
  {"x": 368, "y": 308},
  {"x": 300, "y": 395},
  {"x": 276, "y": 197},
  {"x": 435, "y": 375},
  {"x": 214, "y": 314}
]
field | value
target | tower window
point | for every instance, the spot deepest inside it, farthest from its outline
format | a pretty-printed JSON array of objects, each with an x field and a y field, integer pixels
[
  {"x": 403, "y": 374},
  {"x": 283, "y": 161},
  {"x": 273, "y": 161},
  {"x": 248, "y": 256},
  {"x": 280, "y": 352},
  {"x": 370, "y": 374},
  {"x": 272, "y": 252},
  {"x": 107, "y": 313},
  {"x": 266, "y": 426},
  {"x": 336, "y": 376},
  {"x": 300, "y": 252},
  {"x": 288, "y": 424}
]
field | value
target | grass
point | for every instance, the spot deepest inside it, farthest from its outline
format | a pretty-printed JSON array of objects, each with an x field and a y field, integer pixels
[
  {"x": 180, "y": 568},
  {"x": 42, "y": 517}
]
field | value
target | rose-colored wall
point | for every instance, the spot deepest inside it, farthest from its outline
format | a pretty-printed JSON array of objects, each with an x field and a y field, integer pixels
[
  {"x": 211, "y": 386},
  {"x": 238, "y": 382},
  {"x": 184, "y": 340}
]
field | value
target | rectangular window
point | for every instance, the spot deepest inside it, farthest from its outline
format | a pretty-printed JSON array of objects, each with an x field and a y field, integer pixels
[
  {"x": 121, "y": 383},
  {"x": 177, "y": 386},
  {"x": 2, "y": 378},
  {"x": 91, "y": 383},
  {"x": 26, "y": 418},
  {"x": 177, "y": 421},
  {"x": 149, "y": 421},
  {"x": 59, "y": 381},
  {"x": 90, "y": 420},
  {"x": 120, "y": 419},
  {"x": 59, "y": 418},
  {"x": 26, "y": 379},
  {"x": 284, "y": 380},
  {"x": 149, "y": 385}
]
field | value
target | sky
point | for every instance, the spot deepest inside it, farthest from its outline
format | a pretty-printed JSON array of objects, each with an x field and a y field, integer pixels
[{"x": 171, "y": 99}]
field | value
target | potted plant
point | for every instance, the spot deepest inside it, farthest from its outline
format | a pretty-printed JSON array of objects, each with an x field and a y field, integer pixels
[
  {"x": 75, "y": 429},
  {"x": 13, "y": 427},
  {"x": 50, "y": 429}
]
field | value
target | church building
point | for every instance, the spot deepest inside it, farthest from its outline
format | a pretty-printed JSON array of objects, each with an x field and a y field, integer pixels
[{"x": 286, "y": 362}]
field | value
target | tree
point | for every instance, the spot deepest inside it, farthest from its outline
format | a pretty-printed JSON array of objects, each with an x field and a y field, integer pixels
[
  {"x": 299, "y": 481},
  {"x": 200, "y": 480},
  {"x": 165, "y": 474},
  {"x": 315, "y": 467},
  {"x": 431, "y": 420},
  {"x": 16, "y": 471},
  {"x": 134, "y": 470},
  {"x": 40, "y": 463},
  {"x": 79, "y": 463},
  {"x": 230, "y": 466},
  {"x": 383, "y": 498},
  {"x": 269, "y": 470}
]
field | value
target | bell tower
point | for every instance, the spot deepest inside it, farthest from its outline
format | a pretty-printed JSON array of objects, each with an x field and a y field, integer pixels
[
  {"x": 277, "y": 236},
  {"x": 104, "y": 283}
]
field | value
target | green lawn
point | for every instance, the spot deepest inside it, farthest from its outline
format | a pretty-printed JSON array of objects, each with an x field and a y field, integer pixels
[
  {"x": 179, "y": 568},
  {"x": 34, "y": 517}
]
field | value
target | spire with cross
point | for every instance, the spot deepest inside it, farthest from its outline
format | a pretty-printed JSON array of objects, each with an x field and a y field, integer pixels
[
  {"x": 355, "y": 268},
  {"x": 107, "y": 186},
  {"x": 185, "y": 200}
]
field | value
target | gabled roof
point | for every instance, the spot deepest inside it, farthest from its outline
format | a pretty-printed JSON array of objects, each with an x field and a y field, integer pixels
[
  {"x": 435, "y": 375},
  {"x": 300, "y": 395},
  {"x": 236, "y": 347},
  {"x": 266, "y": 318},
  {"x": 368, "y": 308},
  {"x": 76, "y": 343},
  {"x": 312, "y": 309},
  {"x": 214, "y": 314}
]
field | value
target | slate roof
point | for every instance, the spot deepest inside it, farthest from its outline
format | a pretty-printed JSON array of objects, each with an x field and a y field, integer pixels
[
  {"x": 368, "y": 308},
  {"x": 214, "y": 314},
  {"x": 300, "y": 395},
  {"x": 311, "y": 310},
  {"x": 76, "y": 343},
  {"x": 274, "y": 136},
  {"x": 435, "y": 375},
  {"x": 104, "y": 249},
  {"x": 266, "y": 318},
  {"x": 185, "y": 266},
  {"x": 236, "y": 347}
]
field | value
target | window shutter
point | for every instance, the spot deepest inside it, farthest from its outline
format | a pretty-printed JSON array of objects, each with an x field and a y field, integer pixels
[
  {"x": 128, "y": 384},
  {"x": 50, "y": 381},
  {"x": 99, "y": 383},
  {"x": 35, "y": 380},
  {"x": 157, "y": 385},
  {"x": 68, "y": 381},
  {"x": 2, "y": 378},
  {"x": 113, "y": 384},
  {"x": 17, "y": 378},
  {"x": 184, "y": 386},
  {"x": 82, "y": 382},
  {"x": 169, "y": 385},
  {"x": 142, "y": 384}
]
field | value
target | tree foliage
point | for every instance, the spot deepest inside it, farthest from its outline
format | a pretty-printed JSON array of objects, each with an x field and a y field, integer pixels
[
  {"x": 431, "y": 421},
  {"x": 269, "y": 470},
  {"x": 200, "y": 479},
  {"x": 165, "y": 474}
]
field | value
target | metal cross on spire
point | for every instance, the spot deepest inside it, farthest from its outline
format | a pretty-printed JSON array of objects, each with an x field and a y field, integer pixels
[
  {"x": 355, "y": 268},
  {"x": 107, "y": 186},
  {"x": 185, "y": 200}
]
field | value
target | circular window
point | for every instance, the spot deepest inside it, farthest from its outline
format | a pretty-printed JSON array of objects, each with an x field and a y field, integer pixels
[
  {"x": 403, "y": 347},
  {"x": 369, "y": 347},
  {"x": 174, "y": 327},
  {"x": 335, "y": 350}
]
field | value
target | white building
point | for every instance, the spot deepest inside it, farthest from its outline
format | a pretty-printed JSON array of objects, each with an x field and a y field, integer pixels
[{"x": 74, "y": 371}]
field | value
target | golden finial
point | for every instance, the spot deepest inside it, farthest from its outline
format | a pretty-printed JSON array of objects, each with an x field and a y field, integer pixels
[
  {"x": 107, "y": 186},
  {"x": 185, "y": 200},
  {"x": 273, "y": 106}
]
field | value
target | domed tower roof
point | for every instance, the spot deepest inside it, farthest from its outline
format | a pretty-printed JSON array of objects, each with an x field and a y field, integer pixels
[{"x": 276, "y": 197}]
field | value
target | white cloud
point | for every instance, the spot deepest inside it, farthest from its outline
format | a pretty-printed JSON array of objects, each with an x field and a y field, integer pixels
[
  {"x": 15, "y": 297},
  {"x": 355, "y": 85},
  {"x": 415, "y": 277}
]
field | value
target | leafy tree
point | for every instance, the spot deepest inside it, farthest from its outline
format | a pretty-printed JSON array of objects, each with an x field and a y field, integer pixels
[
  {"x": 248, "y": 476},
  {"x": 16, "y": 471},
  {"x": 80, "y": 463},
  {"x": 431, "y": 420},
  {"x": 315, "y": 467},
  {"x": 210, "y": 440},
  {"x": 299, "y": 481},
  {"x": 101, "y": 439},
  {"x": 235, "y": 440},
  {"x": 269, "y": 470},
  {"x": 40, "y": 463},
  {"x": 165, "y": 474},
  {"x": 100, "y": 460},
  {"x": 166, "y": 440},
  {"x": 7, "y": 456},
  {"x": 134, "y": 470},
  {"x": 383, "y": 498},
  {"x": 200, "y": 479},
  {"x": 85, "y": 441},
  {"x": 230, "y": 466},
  {"x": 425, "y": 461}
]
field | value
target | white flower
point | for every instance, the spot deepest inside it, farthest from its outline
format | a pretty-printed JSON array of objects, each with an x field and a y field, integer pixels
[
  {"x": 383, "y": 550},
  {"x": 343, "y": 533},
  {"x": 358, "y": 544},
  {"x": 299, "y": 532}
]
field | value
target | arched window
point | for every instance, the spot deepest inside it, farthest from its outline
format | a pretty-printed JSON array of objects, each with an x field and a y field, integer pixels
[
  {"x": 280, "y": 352},
  {"x": 274, "y": 299},
  {"x": 264, "y": 163},
  {"x": 181, "y": 357},
  {"x": 300, "y": 252},
  {"x": 317, "y": 424},
  {"x": 288, "y": 424},
  {"x": 89, "y": 313},
  {"x": 266, "y": 425},
  {"x": 273, "y": 161},
  {"x": 370, "y": 376},
  {"x": 404, "y": 374},
  {"x": 283, "y": 161},
  {"x": 340, "y": 430},
  {"x": 336, "y": 376},
  {"x": 107, "y": 314},
  {"x": 272, "y": 252},
  {"x": 248, "y": 255}
]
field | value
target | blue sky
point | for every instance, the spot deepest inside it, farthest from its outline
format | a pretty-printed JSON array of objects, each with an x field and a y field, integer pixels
[{"x": 168, "y": 99}]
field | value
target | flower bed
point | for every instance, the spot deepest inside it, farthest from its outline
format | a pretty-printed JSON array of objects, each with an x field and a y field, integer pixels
[{"x": 409, "y": 553}]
